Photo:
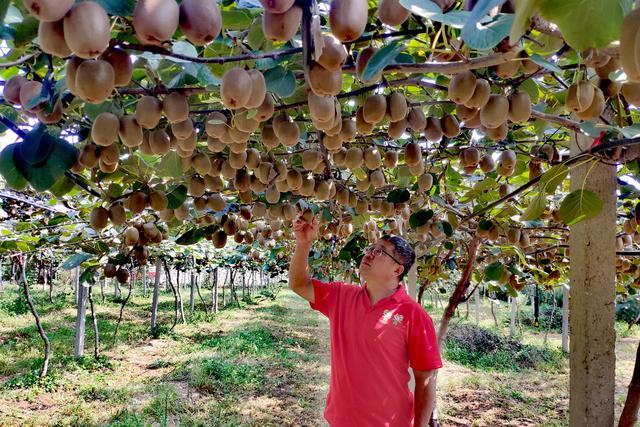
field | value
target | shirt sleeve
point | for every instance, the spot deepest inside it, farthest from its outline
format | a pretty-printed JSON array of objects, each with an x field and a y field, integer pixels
[
  {"x": 326, "y": 296},
  {"x": 424, "y": 353}
]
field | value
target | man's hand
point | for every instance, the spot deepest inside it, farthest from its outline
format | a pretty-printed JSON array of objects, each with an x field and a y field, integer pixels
[{"x": 305, "y": 232}]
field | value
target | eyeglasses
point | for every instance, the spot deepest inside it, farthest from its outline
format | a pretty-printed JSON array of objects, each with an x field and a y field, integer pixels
[{"x": 376, "y": 252}]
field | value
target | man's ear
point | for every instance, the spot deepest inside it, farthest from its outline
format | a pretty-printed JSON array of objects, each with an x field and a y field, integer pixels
[{"x": 399, "y": 269}]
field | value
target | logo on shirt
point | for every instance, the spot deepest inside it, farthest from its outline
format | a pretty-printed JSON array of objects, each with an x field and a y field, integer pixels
[{"x": 395, "y": 318}]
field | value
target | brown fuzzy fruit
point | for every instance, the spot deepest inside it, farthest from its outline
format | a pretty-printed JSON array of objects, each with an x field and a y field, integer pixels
[
  {"x": 182, "y": 130},
  {"x": 596, "y": 108},
  {"x": 130, "y": 131},
  {"x": 219, "y": 239},
  {"x": 121, "y": 63},
  {"x": 416, "y": 119},
  {"x": 630, "y": 45},
  {"x": 88, "y": 156},
  {"x": 487, "y": 164},
  {"x": 481, "y": 93},
  {"x": 200, "y": 20},
  {"x": 392, "y": 13},
  {"x": 397, "y": 129},
  {"x": 374, "y": 108},
  {"x": 234, "y": 88},
  {"x": 104, "y": 131},
  {"x": 53, "y": 117},
  {"x": 495, "y": 112},
  {"x": 122, "y": 275},
  {"x": 461, "y": 87},
  {"x": 630, "y": 91},
  {"x": 28, "y": 92},
  {"x": 258, "y": 90},
  {"x": 48, "y": 10},
  {"x": 72, "y": 67},
  {"x": 51, "y": 36},
  {"x": 433, "y": 129},
  {"x": 95, "y": 80},
  {"x": 324, "y": 82},
  {"x": 334, "y": 54},
  {"x": 391, "y": 159},
  {"x": 87, "y": 29},
  {"x": 354, "y": 158},
  {"x": 159, "y": 142},
  {"x": 110, "y": 155},
  {"x": 266, "y": 109},
  {"x": 361, "y": 62},
  {"x": 412, "y": 154},
  {"x": 277, "y": 6},
  {"x": 175, "y": 107},
  {"x": 397, "y": 106},
  {"x": 507, "y": 69},
  {"x": 580, "y": 96},
  {"x": 109, "y": 270},
  {"x": 99, "y": 218},
  {"x": 12, "y": 88},
  {"x": 519, "y": 107},
  {"x": 117, "y": 214},
  {"x": 155, "y": 21},
  {"x": 281, "y": 26},
  {"x": 348, "y": 18},
  {"x": 137, "y": 201},
  {"x": 148, "y": 112},
  {"x": 450, "y": 126}
]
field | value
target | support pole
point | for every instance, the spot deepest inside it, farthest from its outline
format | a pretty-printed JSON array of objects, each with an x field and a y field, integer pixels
[
  {"x": 145, "y": 274},
  {"x": 512, "y": 318},
  {"x": 565, "y": 318},
  {"x": 592, "y": 303},
  {"x": 192, "y": 294},
  {"x": 80, "y": 322},
  {"x": 477, "y": 304},
  {"x": 76, "y": 284},
  {"x": 412, "y": 281},
  {"x": 156, "y": 294}
]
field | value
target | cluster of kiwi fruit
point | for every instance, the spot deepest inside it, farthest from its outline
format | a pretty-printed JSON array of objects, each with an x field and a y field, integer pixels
[
  {"x": 136, "y": 202},
  {"x": 280, "y": 19},
  {"x": 111, "y": 270},
  {"x": 20, "y": 91}
]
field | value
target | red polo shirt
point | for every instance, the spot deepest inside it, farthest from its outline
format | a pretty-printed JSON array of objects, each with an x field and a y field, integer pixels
[{"x": 371, "y": 351}]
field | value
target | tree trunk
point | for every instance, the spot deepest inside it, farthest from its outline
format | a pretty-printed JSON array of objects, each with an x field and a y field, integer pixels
[
  {"x": 36, "y": 316},
  {"x": 629, "y": 414},
  {"x": 458, "y": 294},
  {"x": 124, "y": 303},
  {"x": 192, "y": 293},
  {"x": 224, "y": 300},
  {"x": 76, "y": 284},
  {"x": 156, "y": 295},
  {"x": 94, "y": 319},
  {"x": 204, "y": 304},
  {"x": 493, "y": 313},
  {"x": 81, "y": 313},
  {"x": 214, "y": 291},
  {"x": 103, "y": 283},
  {"x": 180, "y": 302},
  {"x": 175, "y": 296},
  {"x": 51, "y": 285}
]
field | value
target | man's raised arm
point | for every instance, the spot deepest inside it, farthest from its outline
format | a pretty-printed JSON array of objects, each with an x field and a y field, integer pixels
[{"x": 299, "y": 278}]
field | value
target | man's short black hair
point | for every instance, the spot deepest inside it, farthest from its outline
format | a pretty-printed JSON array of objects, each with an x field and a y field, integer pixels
[{"x": 403, "y": 252}]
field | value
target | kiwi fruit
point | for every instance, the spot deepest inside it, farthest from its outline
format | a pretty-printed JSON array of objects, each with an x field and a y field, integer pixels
[
  {"x": 244, "y": 123},
  {"x": 95, "y": 80},
  {"x": 182, "y": 130},
  {"x": 470, "y": 157},
  {"x": 200, "y": 21},
  {"x": 461, "y": 87},
  {"x": 412, "y": 154},
  {"x": 130, "y": 131},
  {"x": 155, "y": 21},
  {"x": 258, "y": 90},
  {"x": 596, "y": 108},
  {"x": 362, "y": 126},
  {"x": 324, "y": 82},
  {"x": 215, "y": 202},
  {"x": 630, "y": 91},
  {"x": 311, "y": 158},
  {"x": 269, "y": 138},
  {"x": 519, "y": 107},
  {"x": 104, "y": 130},
  {"x": 361, "y": 62},
  {"x": 99, "y": 218},
  {"x": 377, "y": 178},
  {"x": 580, "y": 96},
  {"x": 374, "y": 108},
  {"x": 433, "y": 129},
  {"x": 450, "y": 126},
  {"x": 158, "y": 200},
  {"x": 487, "y": 163},
  {"x": 121, "y": 63},
  {"x": 281, "y": 26},
  {"x": 294, "y": 179},
  {"x": 201, "y": 163},
  {"x": 480, "y": 96},
  {"x": 416, "y": 119},
  {"x": 131, "y": 236},
  {"x": 272, "y": 195},
  {"x": 277, "y": 6},
  {"x": 51, "y": 36},
  {"x": 609, "y": 88},
  {"x": 332, "y": 143},
  {"x": 354, "y": 158},
  {"x": 12, "y": 88},
  {"x": 216, "y": 124},
  {"x": 175, "y": 107},
  {"x": 122, "y": 275},
  {"x": 417, "y": 169},
  {"x": 265, "y": 110},
  {"x": 109, "y": 270},
  {"x": 348, "y": 130},
  {"x": 397, "y": 106},
  {"x": 397, "y": 129},
  {"x": 321, "y": 107},
  {"x": 242, "y": 180},
  {"x": 234, "y": 88},
  {"x": 425, "y": 182},
  {"x": 159, "y": 142},
  {"x": 87, "y": 29},
  {"x": 466, "y": 113},
  {"x": 630, "y": 45},
  {"x": 136, "y": 202},
  {"x": 333, "y": 55},
  {"x": 507, "y": 69},
  {"x": 28, "y": 92},
  {"x": 53, "y": 117},
  {"x": 110, "y": 154},
  {"x": 287, "y": 131},
  {"x": 196, "y": 186},
  {"x": 48, "y": 10},
  {"x": 88, "y": 156},
  {"x": 495, "y": 111},
  {"x": 72, "y": 67},
  {"x": 372, "y": 158},
  {"x": 507, "y": 163},
  {"x": 498, "y": 133},
  {"x": 392, "y": 13},
  {"x": 348, "y": 18},
  {"x": 148, "y": 112},
  {"x": 391, "y": 159}
]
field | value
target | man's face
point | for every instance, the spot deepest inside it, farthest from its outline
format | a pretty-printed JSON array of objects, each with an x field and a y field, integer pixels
[{"x": 377, "y": 263}]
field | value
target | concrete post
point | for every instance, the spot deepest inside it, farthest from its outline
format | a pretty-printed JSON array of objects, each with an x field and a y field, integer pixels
[
  {"x": 592, "y": 303},
  {"x": 565, "y": 318},
  {"x": 80, "y": 321},
  {"x": 412, "y": 281}
]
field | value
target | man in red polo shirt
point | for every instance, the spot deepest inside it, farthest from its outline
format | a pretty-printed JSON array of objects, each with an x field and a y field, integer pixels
[{"x": 377, "y": 333}]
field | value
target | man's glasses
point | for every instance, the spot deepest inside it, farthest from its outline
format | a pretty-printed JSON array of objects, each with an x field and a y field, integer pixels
[{"x": 376, "y": 251}]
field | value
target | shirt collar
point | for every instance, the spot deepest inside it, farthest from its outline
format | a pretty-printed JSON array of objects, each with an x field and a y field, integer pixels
[{"x": 396, "y": 296}]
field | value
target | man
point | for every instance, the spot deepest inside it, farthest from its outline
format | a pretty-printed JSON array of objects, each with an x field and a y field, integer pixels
[{"x": 377, "y": 333}]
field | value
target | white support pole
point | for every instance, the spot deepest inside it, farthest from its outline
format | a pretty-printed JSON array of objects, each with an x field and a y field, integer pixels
[
  {"x": 80, "y": 322},
  {"x": 145, "y": 274},
  {"x": 412, "y": 282},
  {"x": 477, "y": 305},
  {"x": 592, "y": 289},
  {"x": 512, "y": 319},
  {"x": 156, "y": 294},
  {"x": 76, "y": 284},
  {"x": 565, "y": 318}
]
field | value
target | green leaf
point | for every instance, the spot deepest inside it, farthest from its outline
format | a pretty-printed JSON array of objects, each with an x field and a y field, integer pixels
[
  {"x": 580, "y": 205},
  {"x": 37, "y": 146},
  {"x": 75, "y": 260},
  {"x": 8, "y": 169},
  {"x": 584, "y": 24},
  {"x": 493, "y": 271},
  {"x": 424, "y": 8},
  {"x": 420, "y": 218},
  {"x": 62, "y": 187},
  {"x": 524, "y": 11},
  {"x": 381, "y": 59},
  {"x": 191, "y": 237},
  {"x": 4, "y": 6},
  {"x": 118, "y": 7},
  {"x": 551, "y": 179},
  {"x": 176, "y": 197},
  {"x": 88, "y": 276},
  {"x": 26, "y": 31},
  {"x": 170, "y": 165},
  {"x": 536, "y": 207},
  {"x": 447, "y": 228},
  {"x": 280, "y": 81},
  {"x": 399, "y": 195},
  {"x": 545, "y": 64},
  {"x": 486, "y": 35},
  {"x": 235, "y": 19},
  {"x": 485, "y": 224}
]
